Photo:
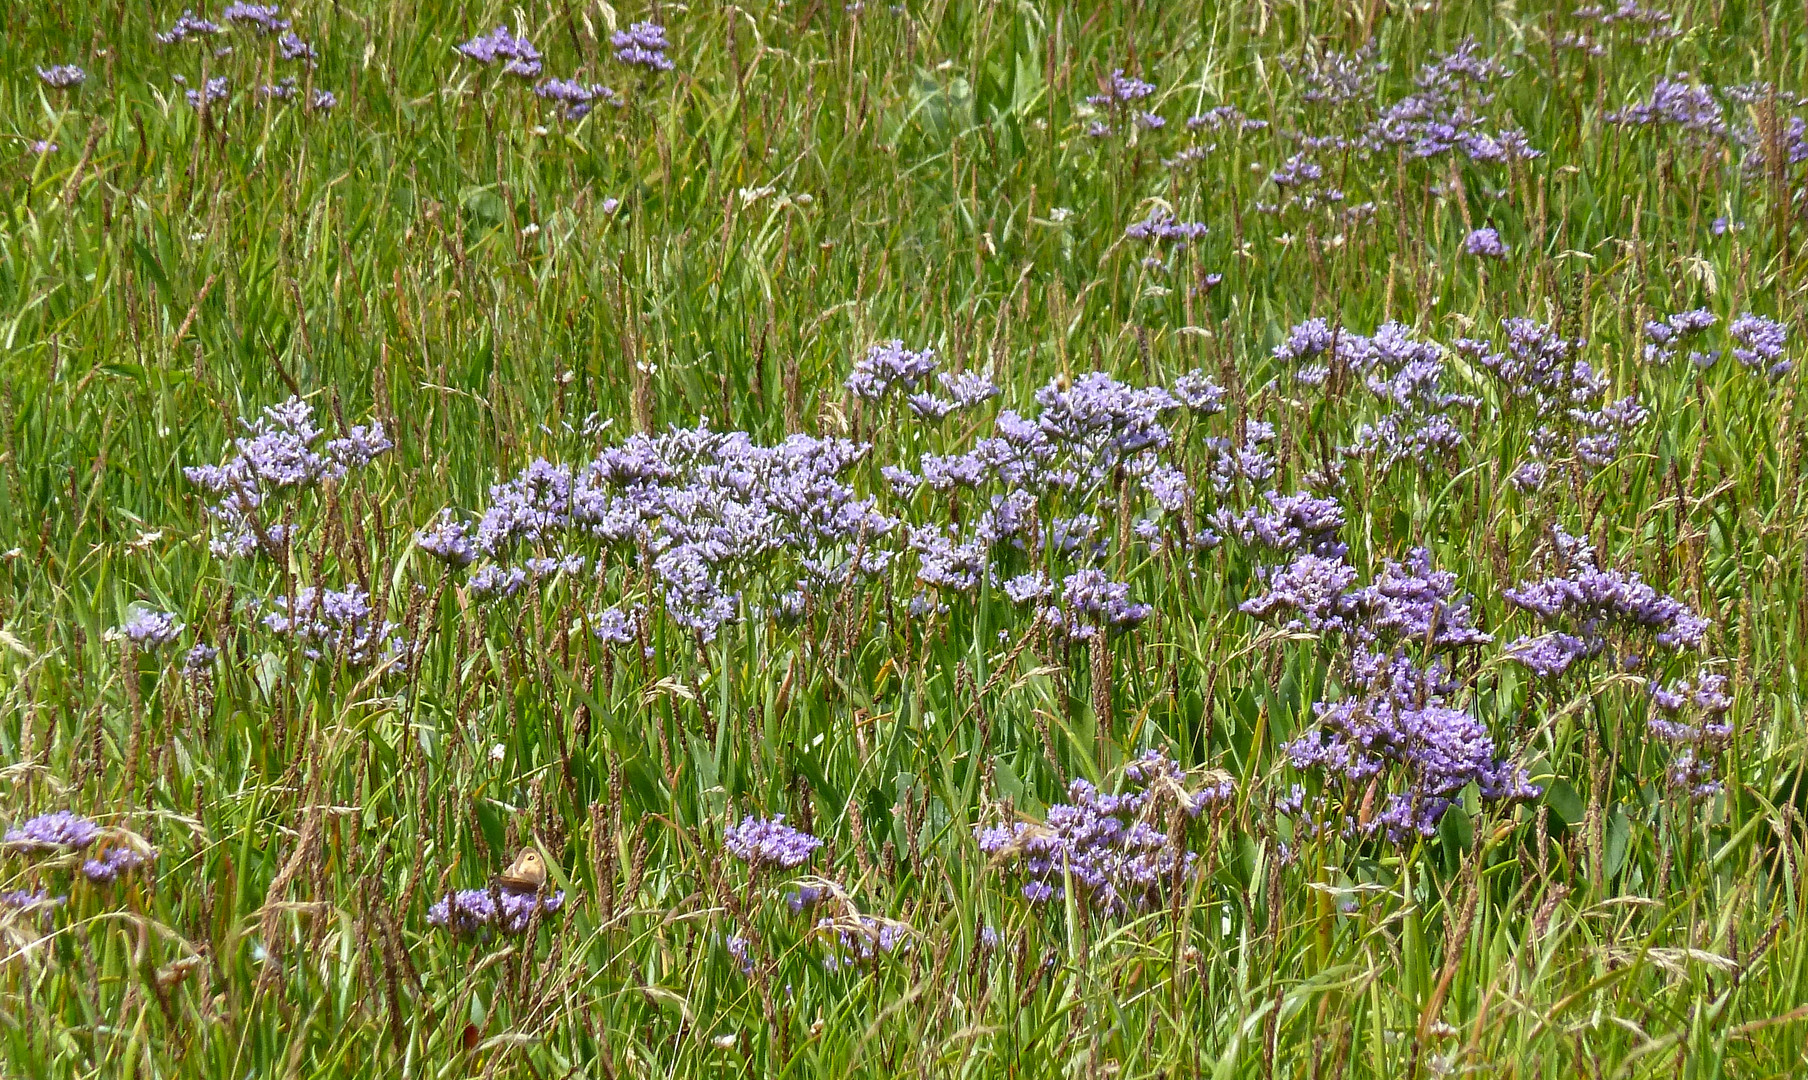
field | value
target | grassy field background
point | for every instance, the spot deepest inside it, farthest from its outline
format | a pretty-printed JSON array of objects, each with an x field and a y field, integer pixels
[{"x": 444, "y": 252}]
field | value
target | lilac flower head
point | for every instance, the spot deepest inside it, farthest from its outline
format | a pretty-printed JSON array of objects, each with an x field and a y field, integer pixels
[
  {"x": 519, "y": 53},
  {"x": 216, "y": 89},
  {"x": 1674, "y": 103},
  {"x": 264, "y": 18},
  {"x": 1161, "y": 225},
  {"x": 887, "y": 365},
  {"x": 1118, "y": 850},
  {"x": 769, "y": 842},
  {"x": 57, "y": 831},
  {"x": 290, "y": 47},
  {"x": 642, "y": 45},
  {"x": 471, "y": 911},
  {"x": 578, "y": 97},
  {"x": 1091, "y": 603},
  {"x": 62, "y": 76},
  {"x": 336, "y": 626},
  {"x": 1485, "y": 243},
  {"x": 447, "y": 540},
  {"x": 150, "y": 630},
  {"x": 107, "y": 865},
  {"x": 188, "y": 26},
  {"x": 1666, "y": 338},
  {"x": 1759, "y": 343},
  {"x": 613, "y": 626},
  {"x": 1121, "y": 90}
]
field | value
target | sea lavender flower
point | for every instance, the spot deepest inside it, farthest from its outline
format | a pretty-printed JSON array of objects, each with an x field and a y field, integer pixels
[
  {"x": 25, "y": 903},
  {"x": 1162, "y": 225},
  {"x": 470, "y": 911},
  {"x": 1398, "y": 731},
  {"x": 62, "y": 76},
  {"x": 613, "y": 626},
  {"x": 739, "y": 948},
  {"x": 1485, "y": 243},
  {"x": 519, "y": 54},
  {"x": 578, "y": 97},
  {"x": 769, "y": 843},
  {"x": 643, "y": 45},
  {"x": 290, "y": 47},
  {"x": 199, "y": 659},
  {"x": 1602, "y": 607},
  {"x": 1759, "y": 343},
  {"x": 1314, "y": 591},
  {"x": 888, "y": 365},
  {"x": 494, "y": 582},
  {"x": 447, "y": 540},
  {"x": 1118, "y": 850},
  {"x": 54, "y": 832},
  {"x": 150, "y": 630},
  {"x": 41, "y": 147},
  {"x": 1091, "y": 603},
  {"x": 1666, "y": 338},
  {"x": 863, "y": 940},
  {"x": 336, "y": 626},
  {"x": 324, "y": 101},
  {"x": 264, "y": 18},
  {"x": 188, "y": 26},
  {"x": 1120, "y": 90},
  {"x": 1298, "y": 522},
  {"x": 217, "y": 89},
  {"x": 106, "y": 867},
  {"x": 1675, "y": 103}
]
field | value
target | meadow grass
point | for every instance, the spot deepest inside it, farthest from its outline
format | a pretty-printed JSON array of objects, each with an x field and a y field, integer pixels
[{"x": 444, "y": 253}]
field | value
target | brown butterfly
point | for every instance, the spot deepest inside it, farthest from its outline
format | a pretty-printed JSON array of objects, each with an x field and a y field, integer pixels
[{"x": 525, "y": 875}]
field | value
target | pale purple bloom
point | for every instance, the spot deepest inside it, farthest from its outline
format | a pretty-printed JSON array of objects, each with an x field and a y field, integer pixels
[
  {"x": 1759, "y": 343},
  {"x": 150, "y": 630},
  {"x": 109, "y": 864},
  {"x": 1674, "y": 103},
  {"x": 62, "y": 76},
  {"x": 56, "y": 831},
  {"x": 1162, "y": 225},
  {"x": 642, "y": 44},
  {"x": 264, "y": 18},
  {"x": 613, "y": 626},
  {"x": 519, "y": 53},
  {"x": 336, "y": 626},
  {"x": 1485, "y": 243},
  {"x": 470, "y": 911},
  {"x": 447, "y": 540},
  {"x": 769, "y": 842},
  {"x": 188, "y": 26}
]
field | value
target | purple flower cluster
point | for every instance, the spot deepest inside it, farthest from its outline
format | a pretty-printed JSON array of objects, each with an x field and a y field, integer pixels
[
  {"x": 1692, "y": 716},
  {"x": 1298, "y": 522},
  {"x": 1665, "y": 339},
  {"x": 863, "y": 940},
  {"x": 218, "y": 88},
  {"x": 1117, "y": 850},
  {"x": 51, "y": 833},
  {"x": 336, "y": 626},
  {"x": 111, "y": 862},
  {"x": 188, "y": 26},
  {"x": 470, "y": 911},
  {"x": 1444, "y": 114},
  {"x": 1587, "y": 610},
  {"x": 264, "y": 18},
  {"x": 888, "y": 366},
  {"x": 1678, "y": 104},
  {"x": 1539, "y": 370},
  {"x": 642, "y": 45},
  {"x": 150, "y": 630},
  {"x": 276, "y": 455},
  {"x": 578, "y": 97},
  {"x": 1398, "y": 722},
  {"x": 1120, "y": 90},
  {"x": 1408, "y": 601},
  {"x": 1091, "y": 604},
  {"x": 1759, "y": 343},
  {"x": 1485, "y": 243},
  {"x": 62, "y": 76},
  {"x": 521, "y": 57},
  {"x": 764, "y": 843},
  {"x": 1161, "y": 225},
  {"x": 448, "y": 540},
  {"x": 710, "y": 510}
]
